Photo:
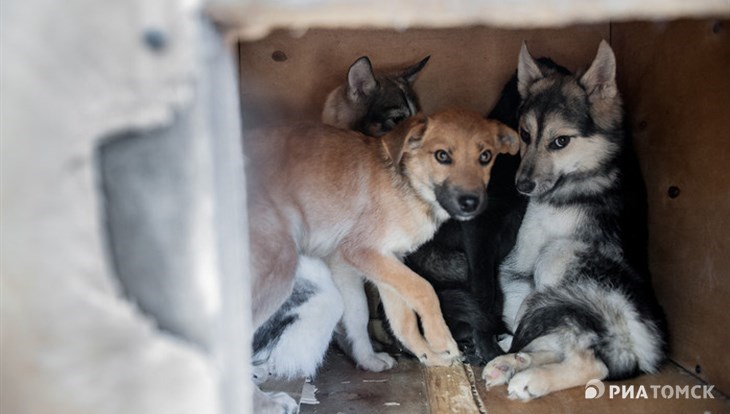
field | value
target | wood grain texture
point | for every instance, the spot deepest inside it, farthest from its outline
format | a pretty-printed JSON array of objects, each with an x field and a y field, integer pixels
[
  {"x": 449, "y": 390},
  {"x": 468, "y": 66},
  {"x": 674, "y": 78}
]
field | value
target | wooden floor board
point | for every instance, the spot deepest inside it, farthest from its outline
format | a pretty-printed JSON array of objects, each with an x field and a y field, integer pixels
[{"x": 413, "y": 389}]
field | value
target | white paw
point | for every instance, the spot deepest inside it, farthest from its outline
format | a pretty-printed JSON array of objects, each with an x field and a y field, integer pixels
[
  {"x": 377, "y": 362},
  {"x": 274, "y": 403},
  {"x": 527, "y": 385},
  {"x": 288, "y": 404},
  {"x": 502, "y": 368}
]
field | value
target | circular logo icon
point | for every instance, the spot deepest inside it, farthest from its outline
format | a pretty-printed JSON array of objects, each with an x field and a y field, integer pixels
[{"x": 594, "y": 389}]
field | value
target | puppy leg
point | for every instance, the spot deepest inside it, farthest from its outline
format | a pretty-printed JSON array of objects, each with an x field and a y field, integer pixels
[
  {"x": 273, "y": 403},
  {"x": 355, "y": 319},
  {"x": 274, "y": 258},
  {"x": 413, "y": 289},
  {"x": 515, "y": 293},
  {"x": 294, "y": 341},
  {"x": 575, "y": 370},
  {"x": 404, "y": 323},
  {"x": 501, "y": 369}
]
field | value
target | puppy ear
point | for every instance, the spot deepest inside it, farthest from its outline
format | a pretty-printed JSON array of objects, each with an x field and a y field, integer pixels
[
  {"x": 507, "y": 140},
  {"x": 527, "y": 71},
  {"x": 410, "y": 74},
  {"x": 360, "y": 79},
  {"x": 406, "y": 136},
  {"x": 601, "y": 75}
]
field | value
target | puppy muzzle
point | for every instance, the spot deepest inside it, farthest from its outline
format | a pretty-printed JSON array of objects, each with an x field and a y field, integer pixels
[{"x": 461, "y": 204}]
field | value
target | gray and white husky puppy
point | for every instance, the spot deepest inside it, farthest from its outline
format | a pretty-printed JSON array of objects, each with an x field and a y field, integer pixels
[
  {"x": 293, "y": 342},
  {"x": 577, "y": 291},
  {"x": 373, "y": 102}
]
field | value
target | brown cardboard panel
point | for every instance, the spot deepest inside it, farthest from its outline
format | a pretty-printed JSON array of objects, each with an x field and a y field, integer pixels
[
  {"x": 288, "y": 75},
  {"x": 675, "y": 78}
]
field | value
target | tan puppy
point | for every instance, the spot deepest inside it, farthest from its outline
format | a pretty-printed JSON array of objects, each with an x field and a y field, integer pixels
[{"x": 364, "y": 203}]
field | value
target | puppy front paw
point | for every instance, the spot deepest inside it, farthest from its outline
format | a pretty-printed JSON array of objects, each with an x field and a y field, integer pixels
[
  {"x": 377, "y": 362},
  {"x": 288, "y": 404},
  {"x": 431, "y": 359},
  {"x": 528, "y": 385},
  {"x": 501, "y": 369},
  {"x": 274, "y": 403}
]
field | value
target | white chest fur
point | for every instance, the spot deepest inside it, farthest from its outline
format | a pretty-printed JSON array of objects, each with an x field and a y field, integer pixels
[
  {"x": 407, "y": 235},
  {"x": 545, "y": 242}
]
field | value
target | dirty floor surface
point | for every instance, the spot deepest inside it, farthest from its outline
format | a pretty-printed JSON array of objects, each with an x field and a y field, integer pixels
[{"x": 413, "y": 389}]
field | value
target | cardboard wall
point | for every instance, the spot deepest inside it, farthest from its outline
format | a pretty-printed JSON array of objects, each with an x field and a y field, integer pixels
[
  {"x": 674, "y": 77},
  {"x": 468, "y": 66}
]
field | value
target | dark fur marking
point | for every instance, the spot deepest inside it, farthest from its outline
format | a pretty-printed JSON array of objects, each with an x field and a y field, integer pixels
[{"x": 268, "y": 334}]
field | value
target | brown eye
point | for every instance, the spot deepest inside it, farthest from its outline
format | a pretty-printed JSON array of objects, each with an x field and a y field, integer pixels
[
  {"x": 559, "y": 142},
  {"x": 442, "y": 157},
  {"x": 485, "y": 157}
]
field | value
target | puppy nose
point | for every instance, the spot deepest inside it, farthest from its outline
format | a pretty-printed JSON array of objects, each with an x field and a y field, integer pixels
[
  {"x": 468, "y": 203},
  {"x": 526, "y": 186}
]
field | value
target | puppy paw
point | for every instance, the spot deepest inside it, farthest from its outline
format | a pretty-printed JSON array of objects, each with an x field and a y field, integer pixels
[
  {"x": 501, "y": 369},
  {"x": 444, "y": 359},
  {"x": 528, "y": 385},
  {"x": 275, "y": 403},
  {"x": 377, "y": 362},
  {"x": 444, "y": 345}
]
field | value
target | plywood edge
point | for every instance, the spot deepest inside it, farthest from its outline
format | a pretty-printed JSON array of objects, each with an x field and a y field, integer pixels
[
  {"x": 252, "y": 19},
  {"x": 451, "y": 390}
]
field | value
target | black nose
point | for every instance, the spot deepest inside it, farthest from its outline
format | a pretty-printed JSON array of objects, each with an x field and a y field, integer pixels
[
  {"x": 526, "y": 186},
  {"x": 468, "y": 203}
]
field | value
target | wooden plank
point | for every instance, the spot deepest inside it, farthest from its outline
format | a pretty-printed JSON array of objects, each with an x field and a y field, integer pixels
[
  {"x": 449, "y": 390},
  {"x": 674, "y": 79},
  {"x": 256, "y": 18}
]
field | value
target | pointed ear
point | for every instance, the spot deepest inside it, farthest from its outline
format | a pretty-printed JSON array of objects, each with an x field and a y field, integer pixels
[
  {"x": 406, "y": 136},
  {"x": 410, "y": 74},
  {"x": 507, "y": 140},
  {"x": 527, "y": 71},
  {"x": 360, "y": 79},
  {"x": 601, "y": 76}
]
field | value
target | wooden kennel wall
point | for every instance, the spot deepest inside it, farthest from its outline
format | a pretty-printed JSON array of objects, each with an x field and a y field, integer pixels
[{"x": 675, "y": 79}]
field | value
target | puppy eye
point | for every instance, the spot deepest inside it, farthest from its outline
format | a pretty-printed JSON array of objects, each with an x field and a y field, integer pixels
[
  {"x": 485, "y": 157},
  {"x": 442, "y": 157},
  {"x": 525, "y": 136},
  {"x": 559, "y": 142},
  {"x": 397, "y": 119},
  {"x": 392, "y": 121}
]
